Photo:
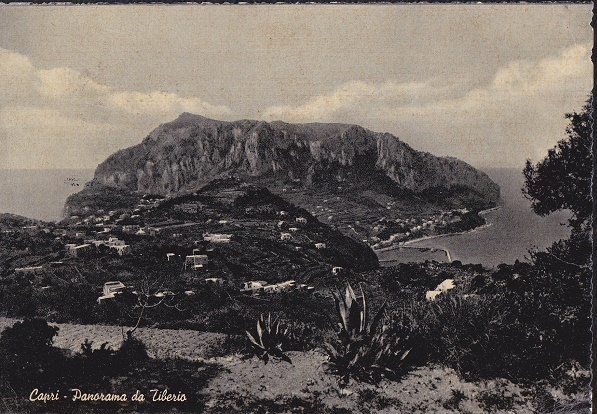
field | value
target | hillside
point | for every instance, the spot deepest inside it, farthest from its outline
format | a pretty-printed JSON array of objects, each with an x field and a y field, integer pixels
[{"x": 236, "y": 231}]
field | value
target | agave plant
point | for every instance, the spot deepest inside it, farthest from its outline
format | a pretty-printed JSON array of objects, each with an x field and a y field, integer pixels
[
  {"x": 364, "y": 350},
  {"x": 268, "y": 340}
]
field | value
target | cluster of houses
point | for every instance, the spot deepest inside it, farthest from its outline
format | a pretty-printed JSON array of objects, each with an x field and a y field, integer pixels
[
  {"x": 287, "y": 236},
  {"x": 414, "y": 226},
  {"x": 255, "y": 287},
  {"x": 101, "y": 218},
  {"x": 113, "y": 243}
]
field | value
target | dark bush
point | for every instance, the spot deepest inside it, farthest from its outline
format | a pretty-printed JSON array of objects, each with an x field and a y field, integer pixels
[{"x": 27, "y": 356}]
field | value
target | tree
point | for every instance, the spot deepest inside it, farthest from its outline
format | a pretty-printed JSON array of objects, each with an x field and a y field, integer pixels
[
  {"x": 562, "y": 180},
  {"x": 557, "y": 288}
]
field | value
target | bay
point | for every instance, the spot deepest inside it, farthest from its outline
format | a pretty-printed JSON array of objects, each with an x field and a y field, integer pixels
[{"x": 512, "y": 230}]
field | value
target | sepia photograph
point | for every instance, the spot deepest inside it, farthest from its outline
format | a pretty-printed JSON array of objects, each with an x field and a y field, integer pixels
[{"x": 322, "y": 208}]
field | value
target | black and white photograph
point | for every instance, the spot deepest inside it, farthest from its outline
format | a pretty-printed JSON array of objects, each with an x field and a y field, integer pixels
[{"x": 316, "y": 208}]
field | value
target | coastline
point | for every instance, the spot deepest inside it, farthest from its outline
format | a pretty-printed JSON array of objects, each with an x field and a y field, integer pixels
[{"x": 435, "y": 236}]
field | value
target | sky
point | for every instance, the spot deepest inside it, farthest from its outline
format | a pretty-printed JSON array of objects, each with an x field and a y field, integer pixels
[{"x": 488, "y": 84}]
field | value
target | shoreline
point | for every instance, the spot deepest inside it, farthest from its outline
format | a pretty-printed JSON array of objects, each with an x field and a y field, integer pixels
[
  {"x": 435, "y": 236},
  {"x": 431, "y": 249}
]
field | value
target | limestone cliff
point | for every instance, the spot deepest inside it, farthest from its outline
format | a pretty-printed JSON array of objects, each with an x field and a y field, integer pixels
[{"x": 193, "y": 150}]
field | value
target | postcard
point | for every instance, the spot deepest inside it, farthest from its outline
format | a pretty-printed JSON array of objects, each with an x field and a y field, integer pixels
[{"x": 323, "y": 208}]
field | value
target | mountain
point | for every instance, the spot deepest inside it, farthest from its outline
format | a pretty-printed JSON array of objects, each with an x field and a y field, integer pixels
[
  {"x": 192, "y": 150},
  {"x": 366, "y": 172}
]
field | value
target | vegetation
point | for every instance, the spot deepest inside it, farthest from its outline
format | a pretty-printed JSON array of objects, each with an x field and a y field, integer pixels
[
  {"x": 268, "y": 340},
  {"x": 364, "y": 350},
  {"x": 562, "y": 180}
]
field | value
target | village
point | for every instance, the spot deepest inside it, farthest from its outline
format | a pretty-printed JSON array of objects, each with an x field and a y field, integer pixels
[{"x": 113, "y": 233}]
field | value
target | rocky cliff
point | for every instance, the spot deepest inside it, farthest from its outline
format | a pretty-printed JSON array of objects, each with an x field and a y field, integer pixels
[{"x": 192, "y": 150}]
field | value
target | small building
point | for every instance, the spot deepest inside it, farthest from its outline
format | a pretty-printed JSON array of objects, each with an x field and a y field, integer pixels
[
  {"x": 114, "y": 241},
  {"x": 196, "y": 261},
  {"x": 32, "y": 270},
  {"x": 217, "y": 237},
  {"x": 301, "y": 220},
  {"x": 214, "y": 280},
  {"x": 302, "y": 287},
  {"x": 320, "y": 246},
  {"x": 170, "y": 256},
  {"x": 253, "y": 286},
  {"x": 287, "y": 285},
  {"x": 110, "y": 290},
  {"x": 285, "y": 236},
  {"x": 293, "y": 229},
  {"x": 77, "y": 251},
  {"x": 271, "y": 289},
  {"x": 336, "y": 270}
]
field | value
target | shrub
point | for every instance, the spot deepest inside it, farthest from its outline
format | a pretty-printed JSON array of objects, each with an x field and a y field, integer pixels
[
  {"x": 268, "y": 341},
  {"x": 364, "y": 350},
  {"x": 465, "y": 332},
  {"x": 132, "y": 351},
  {"x": 27, "y": 356}
]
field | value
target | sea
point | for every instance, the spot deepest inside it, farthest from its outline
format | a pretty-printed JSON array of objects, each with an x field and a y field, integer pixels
[
  {"x": 39, "y": 194},
  {"x": 511, "y": 231}
]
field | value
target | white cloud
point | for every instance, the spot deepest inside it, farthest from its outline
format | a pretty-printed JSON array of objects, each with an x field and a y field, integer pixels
[
  {"x": 164, "y": 103},
  {"x": 59, "y": 118},
  {"x": 354, "y": 95},
  {"x": 518, "y": 115}
]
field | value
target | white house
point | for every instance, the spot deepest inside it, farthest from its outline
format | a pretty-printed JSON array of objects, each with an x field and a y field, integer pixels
[
  {"x": 77, "y": 251},
  {"x": 217, "y": 237},
  {"x": 320, "y": 246},
  {"x": 196, "y": 261},
  {"x": 285, "y": 236},
  {"x": 29, "y": 270},
  {"x": 253, "y": 286}
]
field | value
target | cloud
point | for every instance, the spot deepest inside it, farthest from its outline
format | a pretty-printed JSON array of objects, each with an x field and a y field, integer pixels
[
  {"x": 164, "y": 103},
  {"x": 59, "y": 118},
  {"x": 352, "y": 96},
  {"x": 518, "y": 115}
]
